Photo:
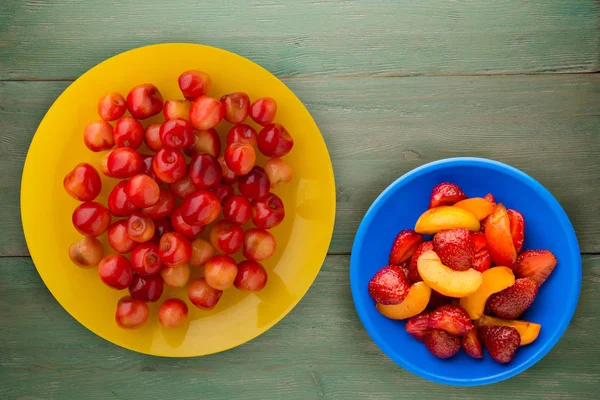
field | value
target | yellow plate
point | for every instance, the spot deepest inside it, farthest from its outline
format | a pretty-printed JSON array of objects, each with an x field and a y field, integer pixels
[{"x": 303, "y": 237}]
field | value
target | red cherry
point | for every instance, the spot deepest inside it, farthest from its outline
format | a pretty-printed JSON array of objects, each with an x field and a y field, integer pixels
[
  {"x": 206, "y": 112},
  {"x": 162, "y": 226},
  {"x": 268, "y": 211},
  {"x": 194, "y": 84},
  {"x": 86, "y": 252},
  {"x": 147, "y": 169},
  {"x": 176, "y": 133},
  {"x": 144, "y": 101},
  {"x": 142, "y": 191},
  {"x": 176, "y": 276},
  {"x": 145, "y": 260},
  {"x": 255, "y": 184},
  {"x": 163, "y": 207},
  {"x": 205, "y": 141},
  {"x": 274, "y": 141},
  {"x": 200, "y": 208},
  {"x": 172, "y": 313},
  {"x": 242, "y": 133},
  {"x": 259, "y": 244},
  {"x": 174, "y": 249},
  {"x": 237, "y": 209},
  {"x": 131, "y": 313},
  {"x": 118, "y": 238},
  {"x": 187, "y": 230},
  {"x": 205, "y": 171},
  {"x": 183, "y": 188},
  {"x": 202, "y": 251},
  {"x": 115, "y": 271},
  {"x": 251, "y": 276},
  {"x": 228, "y": 175},
  {"x": 223, "y": 191},
  {"x": 152, "y": 137},
  {"x": 169, "y": 165},
  {"x": 118, "y": 201},
  {"x": 146, "y": 288},
  {"x": 124, "y": 163},
  {"x": 237, "y": 106},
  {"x": 91, "y": 218},
  {"x": 140, "y": 227},
  {"x": 104, "y": 164},
  {"x": 263, "y": 111},
  {"x": 240, "y": 157},
  {"x": 202, "y": 295},
  {"x": 128, "y": 132},
  {"x": 176, "y": 109},
  {"x": 226, "y": 237},
  {"x": 278, "y": 171},
  {"x": 220, "y": 272},
  {"x": 83, "y": 182},
  {"x": 112, "y": 106},
  {"x": 98, "y": 136}
]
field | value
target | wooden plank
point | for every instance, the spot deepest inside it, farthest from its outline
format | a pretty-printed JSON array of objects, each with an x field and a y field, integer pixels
[
  {"x": 320, "y": 350},
  {"x": 379, "y": 128},
  {"x": 63, "y": 38}
]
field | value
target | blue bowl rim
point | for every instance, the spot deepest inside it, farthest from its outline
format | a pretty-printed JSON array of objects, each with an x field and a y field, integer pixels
[{"x": 414, "y": 174}]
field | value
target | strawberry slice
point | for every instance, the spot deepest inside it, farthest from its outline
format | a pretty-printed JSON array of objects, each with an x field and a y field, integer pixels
[
  {"x": 482, "y": 260},
  {"x": 536, "y": 264},
  {"x": 472, "y": 344},
  {"x": 418, "y": 326},
  {"x": 413, "y": 274},
  {"x": 517, "y": 228},
  {"x": 479, "y": 241},
  {"x": 404, "y": 246},
  {"x": 499, "y": 239},
  {"x": 455, "y": 248},
  {"x": 490, "y": 197},
  {"x": 452, "y": 319},
  {"x": 446, "y": 194},
  {"x": 500, "y": 341},
  {"x": 442, "y": 344}
]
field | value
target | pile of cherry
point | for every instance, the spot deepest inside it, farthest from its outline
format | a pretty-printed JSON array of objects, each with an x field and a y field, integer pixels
[{"x": 166, "y": 202}]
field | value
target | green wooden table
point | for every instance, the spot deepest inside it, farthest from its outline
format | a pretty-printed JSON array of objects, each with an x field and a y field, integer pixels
[{"x": 392, "y": 85}]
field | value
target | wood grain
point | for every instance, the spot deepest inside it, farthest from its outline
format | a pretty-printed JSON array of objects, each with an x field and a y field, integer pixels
[
  {"x": 61, "y": 39},
  {"x": 319, "y": 351},
  {"x": 377, "y": 129}
]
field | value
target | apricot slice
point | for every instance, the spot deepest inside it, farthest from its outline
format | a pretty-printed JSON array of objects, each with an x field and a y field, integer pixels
[
  {"x": 528, "y": 331},
  {"x": 445, "y": 218},
  {"x": 499, "y": 238},
  {"x": 415, "y": 302},
  {"x": 477, "y": 206},
  {"x": 445, "y": 280},
  {"x": 494, "y": 280}
]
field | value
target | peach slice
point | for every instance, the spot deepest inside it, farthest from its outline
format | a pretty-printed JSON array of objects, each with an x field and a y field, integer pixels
[
  {"x": 445, "y": 218},
  {"x": 415, "y": 302},
  {"x": 477, "y": 206},
  {"x": 494, "y": 280},
  {"x": 528, "y": 331},
  {"x": 445, "y": 280},
  {"x": 499, "y": 238}
]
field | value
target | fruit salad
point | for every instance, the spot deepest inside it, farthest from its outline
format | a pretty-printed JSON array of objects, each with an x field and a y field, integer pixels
[
  {"x": 174, "y": 180},
  {"x": 467, "y": 286}
]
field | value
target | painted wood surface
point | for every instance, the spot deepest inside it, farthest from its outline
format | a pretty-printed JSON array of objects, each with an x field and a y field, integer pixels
[
  {"x": 319, "y": 351},
  {"x": 61, "y": 39},
  {"x": 377, "y": 129}
]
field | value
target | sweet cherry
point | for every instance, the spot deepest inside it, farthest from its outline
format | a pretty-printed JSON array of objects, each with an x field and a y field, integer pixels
[
  {"x": 228, "y": 175},
  {"x": 274, "y": 141},
  {"x": 144, "y": 101},
  {"x": 131, "y": 313},
  {"x": 251, "y": 276},
  {"x": 86, "y": 252},
  {"x": 145, "y": 260},
  {"x": 223, "y": 191},
  {"x": 259, "y": 244},
  {"x": 174, "y": 249},
  {"x": 83, "y": 182},
  {"x": 91, "y": 218},
  {"x": 220, "y": 272},
  {"x": 115, "y": 271},
  {"x": 163, "y": 206},
  {"x": 142, "y": 191},
  {"x": 226, "y": 237},
  {"x": 206, "y": 112},
  {"x": 263, "y": 111},
  {"x": 176, "y": 109},
  {"x": 194, "y": 84},
  {"x": 146, "y": 288},
  {"x": 202, "y": 251},
  {"x": 128, "y": 132},
  {"x": 176, "y": 276},
  {"x": 176, "y": 133},
  {"x": 242, "y": 133},
  {"x": 240, "y": 158},
  {"x": 118, "y": 238},
  {"x": 255, "y": 184},
  {"x": 169, "y": 165},
  {"x": 200, "y": 208},
  {"x": 118, "y": 201},
  {"x": 237, "y": 209},
  {"x": 268, "y": 211},
  {"x": 140, "y": 227},
  {"x": 162, "y": 226},
  {"x": 183, "y": 188},
  {"x": 152, "y": 137},
  {"x": 112, "y": 106},
  {"x": 237, "y": 106},
  {"x": 172, "y": 313},
  {"x": 202, "y": 295},
  {"x": 147, "y": 169},
  {"x": 98, "y": 136},
  {"x": 278, "y": 172},
  {"x": 187, "y": 230},
  {"x": 205, "y": 141},
  {"x": 104, "y": 164},
  {"x": 124, "y": 163},
  {"x": 205, "y": 171}
]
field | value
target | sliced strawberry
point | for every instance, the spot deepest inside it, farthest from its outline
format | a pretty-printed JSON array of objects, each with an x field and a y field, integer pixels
[
  {"x": 482, "y": 260},
  {"x": 452, "y": 319},
  {"x": 389, "y": 285},
  {"x": 446, "y": 194},
  {"x": 517, "y": 228},
  {"x": 479, "y": 241},
  {"x": 442, "y": 344},
  {"x": 511, "y": 302},
  {"x": 536, "y": 264},
  {"x": 418, "y": 326},
  {"x": 404, "y": 246},
  {"x": 500, "y": 341},
  {"x": 472, "y": 344},
  {"x": 413, "y": 271},
  {"x": 490, "y": 197},
  {"x": 455, "y": 248},
  {"x": 499, "y": 238}
]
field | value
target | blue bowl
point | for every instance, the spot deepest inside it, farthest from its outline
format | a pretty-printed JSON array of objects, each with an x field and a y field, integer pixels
[{"x": 546, "y": 227}]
